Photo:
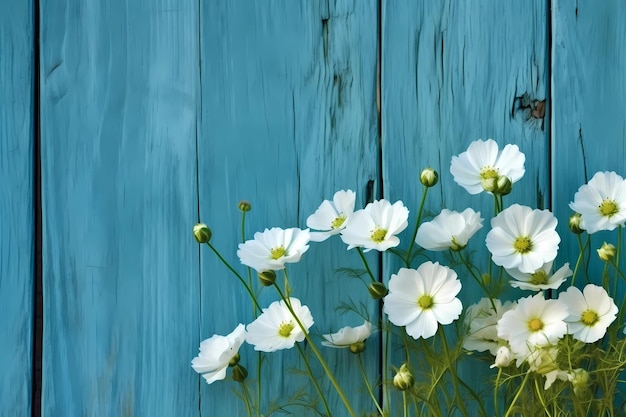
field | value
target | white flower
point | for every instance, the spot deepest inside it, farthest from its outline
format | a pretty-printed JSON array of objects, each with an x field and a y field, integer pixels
[
  {"x": 215, "y": 354},
  {"x": 523, "y": 238},
  {"x": 543, "y": 361},
  {"x": 541, "y": 279},
  {"x": 601, "y": 202},
  {"x": 504, "y": 357},
  {"x": 481, "y": 320},
  {"x": 449, "y": 230},
  {"x": 277, "y": 328},
  {"x": 331, "y": 217},
  {"x": 273, "y": 248},
  {"x": 376, "y": 226},
  {"x": 347, "y": 336},
  {"x": 590, "y": 312},
  {"x": 534, "y": 322},
  {"x": 483, "y": 162},
  {"x": 421, "y": 299}
]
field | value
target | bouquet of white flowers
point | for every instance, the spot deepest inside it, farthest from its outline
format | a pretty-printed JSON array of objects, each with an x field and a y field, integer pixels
[{"x": 558, "y": 351}]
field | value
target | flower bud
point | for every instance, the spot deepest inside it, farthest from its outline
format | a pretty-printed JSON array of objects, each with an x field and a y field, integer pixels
[
  {"x": 607, "y": 252},
  {"x": 504, "y": 185},
  {"x": 357, "y": 347},
  {"x": 244, "y": 206},
  {"x": 377, "y": 290},
  {"x": 239, "y": 373},
  {"x": 234, "y": 360},
  {"x": 202, "y": 233},
  {"x": 579, "y": 379},
  {"x": 403, "y": 379},
  {"x": 574, "y": 223},
  {"x": 429, "y": 177},
  {"x": 504, "y": 357},
  {"x": 489, "y": 184},
  {"x": 267, "y": 278}
]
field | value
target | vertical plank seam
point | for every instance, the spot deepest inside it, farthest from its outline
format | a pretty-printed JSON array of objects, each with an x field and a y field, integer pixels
[
  {"x": 198, "y": 130},
  {"x": 549, "y": 92},
  {"x": 37, "y": 342}
]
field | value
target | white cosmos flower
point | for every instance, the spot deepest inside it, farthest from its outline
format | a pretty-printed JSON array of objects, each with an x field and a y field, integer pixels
[
  {"x": 541, "y": 279},
  {"x": 590, "y": 312},
  {"x": 601, "y": 202},
  {"x": 276, "y": 328},
  {"x": 481, "y": 320},
  {"x": 347, "y": 336},
  {"x": 331, "y": 217},
  {"x": 483, "y": 161},
  {"x": 215, "y": 354},
  {"x": 273, "y": 248},
  {"x": 376, "y": 226},
  {"x": 534, "y": 322},
  {"x": 421, "y": 299},
  {"x": 449, "y": 230},
  {"x": 523, "y": 238}
]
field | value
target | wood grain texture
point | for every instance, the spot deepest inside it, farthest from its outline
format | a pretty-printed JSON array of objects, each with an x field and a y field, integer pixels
[
  {"x": 288, "y": 118},
  {"x": 119, "y": 101},
  {"x": 16, "y": 206},
  {"x": 454, "y": 72}
]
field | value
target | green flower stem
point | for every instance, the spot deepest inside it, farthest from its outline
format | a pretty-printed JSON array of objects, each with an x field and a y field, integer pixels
[
  {"x": 420, "y": 211},
  {"x": 258, "y": 378},
  {"x": 470, "y": 268},
  {"x": 387, "y": 342},
  {"x": 517, "y": 395},
  {"x": 495, "y": 391},
  {"x": 581, "y": 256},
  {"x": 317, "y": 354},
  {"x": 367, "y": 267},
  {"x": 246, "y": 398},
  {"x": 313, "y": 379},
  {"x": 368, "y": 386},
  {"x": 405, "y": 404},
  {"x": 615, "y": 261},
  {"x": 453, "y": 374},
  {"x": 245, "y": 284}
]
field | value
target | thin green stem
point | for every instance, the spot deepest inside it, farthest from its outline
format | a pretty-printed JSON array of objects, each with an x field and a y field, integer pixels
[
  {"x": 317, "y": 353},
  {"x": 246, "y": 398},
  {"x": 313, "y": 379},
  {"x": 450, "y": 364},
  {"x": 387, "y": 342},
  {"x": 517, "y": 395},
  {"x": 367, "y": 267},
  {"x": 405, "y": 404},
  {"x": 368, "y": 386},
  {"x": 420, "y": 211},
  {"x": 495, "y": 391},
  {"x": 581, "y": 255}
]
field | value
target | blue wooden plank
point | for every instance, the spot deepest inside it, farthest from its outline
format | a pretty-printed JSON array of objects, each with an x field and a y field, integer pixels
[
  {"x": 454, "y": 72},
  {"x": 119, "y": 91},
  {"x": 16, "y": 206},
  {"x": 289, "y": 117}
]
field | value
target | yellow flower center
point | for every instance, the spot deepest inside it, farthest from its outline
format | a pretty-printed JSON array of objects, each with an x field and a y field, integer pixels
[
  {"x": 278, "y": 252},
  {"x": 285, "y": 329},
  {"x": 378, "y": 235},
  {"x": 425, "y": 301},
  {"x": 338, "y": 221},
  {"x": 488, "y": 172},
  {"x": 535, "y": 325},
  {"x": 539, "y": 278},
  {"x": 523, "y": 245},
  {"x": 608, "y": 208},
  {"x": 589, "y": 317}
]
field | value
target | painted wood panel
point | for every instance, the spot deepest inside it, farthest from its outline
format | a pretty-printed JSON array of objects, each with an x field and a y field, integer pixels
[
  {"x": 119, "y": 94},
  {"x": 288, "y": 118},
  {"x": 454, "y": 72},
  {"x": 16, "y": 206}
]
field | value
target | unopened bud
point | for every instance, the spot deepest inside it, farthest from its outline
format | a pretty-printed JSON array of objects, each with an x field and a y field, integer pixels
[
  {"x": 574, "y": 223},
  {"x": 267, "y": 278},
  {"x": 202, "y": 233},
  {"x": 607, "y": 252},
  {"x": 239, "y": 373},
  {"x": 489, "y": 184},
  {"x": 503, "y": 185},
  {"x": 579, "y": 379},
  {"x": 234, "y": 360},
  {"x": 429, "y": 177},
  {"x": 357, "y": 347},
  {"x": 403, "y": 379},
  {"x": 377, "y": 290},
  {"x": 504, "y": 357},
  {"x": 244, "y": 205}
]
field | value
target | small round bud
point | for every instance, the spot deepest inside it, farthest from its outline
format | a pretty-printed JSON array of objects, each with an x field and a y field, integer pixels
[
  {"x": 574, "y": 223},
  {"x": 377, "y": 290},
  {"x": 489, "y": 184},
  {"x": 244, "y": 206},
  {"x": 504, "y": 357},
  {"x": 357, "y": 347},
  {"x": 267, "y": 278},
  {"x": 503, "y": 185},
  {"x": 239, "y": 373},
  {"x": 234, "y": 360},
  {"x": 403, "y": 379},
  {"x": 607, "y": 252},
  {"x": 202, "y": 233},
  {"x": 429, "y": 177},
  {"x": 579, "y": 379}
]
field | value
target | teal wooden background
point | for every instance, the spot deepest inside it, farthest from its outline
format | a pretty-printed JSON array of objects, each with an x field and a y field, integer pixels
[{"x": 154, "y": 114}]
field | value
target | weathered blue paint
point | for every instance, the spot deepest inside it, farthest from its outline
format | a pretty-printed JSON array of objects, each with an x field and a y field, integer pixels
[
  {"x": 288, "y": 118},
  {"x": 119, "y": 94},
  {"x": 454, "y": 72},
  {"x": 16, "y": 206}
]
